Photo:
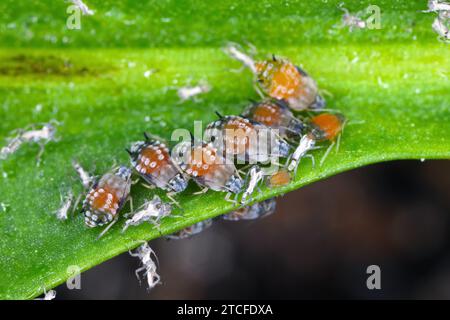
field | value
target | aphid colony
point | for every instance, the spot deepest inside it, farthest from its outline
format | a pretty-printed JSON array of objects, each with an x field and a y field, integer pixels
[
  {"x": 211, "y": 162},
  {"x": 236, "y": 155}
]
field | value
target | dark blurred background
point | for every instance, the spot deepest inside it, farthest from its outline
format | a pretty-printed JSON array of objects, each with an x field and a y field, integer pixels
[{"x": 318, "y": 244}]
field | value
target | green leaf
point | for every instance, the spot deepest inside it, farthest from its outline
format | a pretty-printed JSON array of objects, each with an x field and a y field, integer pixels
[{"x": 393, "y": 83}]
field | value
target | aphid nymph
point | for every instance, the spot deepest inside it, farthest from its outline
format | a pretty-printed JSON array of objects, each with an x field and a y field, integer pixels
[
  {"x": 276, "y": 115},
  {"x": 282, "y": 80},
  {"x": 324, "y": 127},
  {"x": 205, "y": 165},
  {"x": 107, "y": 197},
  {"x": 247, "y": 140},
  {"x": 152, "y": 161}
]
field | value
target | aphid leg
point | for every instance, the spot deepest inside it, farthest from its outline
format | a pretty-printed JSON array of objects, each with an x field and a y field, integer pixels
[
  {"x": 172, "y": 199},
  {"x": 108, "y": 227},
  {"x": 338, "y": 142},
  {"x": 75, "y": 205},
  {"x": 237, "y": 70},
  {"x": 258, "y": 90},
  {"x": 148, "y": 186},
  {"x": 327, "y": 153},
  {"x": 326, "y": 93},
  {"x": 39, "y": 155},
  {"x": 204, "y": 190},
  {"x": 297, "y": 163},
  {"x": 135, "y": 181},
  {"x": 228, "y": 196},
  {"x": 131, "y": 204},
  {"x": 139, "y": 270}
]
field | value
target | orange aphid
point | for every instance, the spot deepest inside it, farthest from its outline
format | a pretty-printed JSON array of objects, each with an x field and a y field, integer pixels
[
  {"x": 280, "y": 178},
  {"x": 282, "y": 80},
  {"x": 104, "y": 199},
  {"x": 329, "y": 125},
  {"x": 203, "y": 161},
  {"x": 153, "y": 159},
  {"x": 267, "y": 114}
]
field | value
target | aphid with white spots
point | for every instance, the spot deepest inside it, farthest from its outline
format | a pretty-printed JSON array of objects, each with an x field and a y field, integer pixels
[
  {"x": 36, "y": 133},
  {"x": 206, "y": 166},
  {"x": 63, "y": 211},
  {"x": 255, "y": 211},
  {"x": 151, "y": 211},
  {"x": 246, "y": 140},
  {"x": 191, "y": 92},
  {"x": 83, "y": 7},
  {"x": 281, "y": 79},
  {"x": 254, "y": 176},
  {"x": 107, "y": 197},
  {"x": 324, "y": 127},
  {"x": 276, "y": 115},
  {"x": 191, "y": 230},
  {"x": 146, "y": 254},
  {"x": 151, "y": 160}
]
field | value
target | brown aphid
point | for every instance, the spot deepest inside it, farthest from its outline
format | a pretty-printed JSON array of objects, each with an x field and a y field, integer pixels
[
  {"x": 206, "y": 166},
  {"x": 276, "y": 115},
  {"x": 151, "y": 160},
  {"x": 107, "y": 197},
  {"x": 247, "y": 140},
  {"x": 282, "y": 80}
]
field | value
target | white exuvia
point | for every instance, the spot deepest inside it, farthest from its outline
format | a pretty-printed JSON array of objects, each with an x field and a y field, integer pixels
[
  {"x": 83, "y": 7},
  {"x": 63, "y": 211},
  {"x": 255, "y": 175},
  {"x": 189, "y": 92},
  {"x": 145, "y": 254},
  {"x": 85, "y": 178},
  {"x": 233, "y": 51},
  {"x": 30, "y": 134},
  {"x": 151, "y": 211}
]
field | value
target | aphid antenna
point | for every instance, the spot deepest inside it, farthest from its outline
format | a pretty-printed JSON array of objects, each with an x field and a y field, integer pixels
[
  {"x": 202, "y": 191},
  {"x": 128, "y": 151},
  {"x": 218, "y": 114},
  {"x": 108, "y": 227},
  {"x": 227, "y": 198},
  {"x": 327, "y": 153},
  {"x": 175, "y": 202}
]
